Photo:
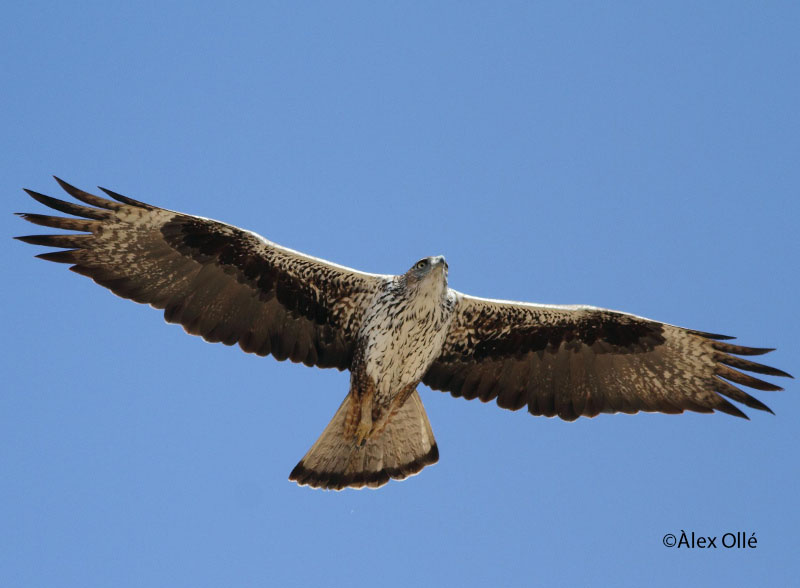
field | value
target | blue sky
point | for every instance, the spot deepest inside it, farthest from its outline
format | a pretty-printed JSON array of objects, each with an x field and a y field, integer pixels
[{"x": 636, "y": 156}]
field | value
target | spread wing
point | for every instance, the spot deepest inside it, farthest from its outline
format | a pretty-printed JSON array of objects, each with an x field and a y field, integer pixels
[
  {"x": 220, "y": 282},
  {"x": 573, "y": 361}
]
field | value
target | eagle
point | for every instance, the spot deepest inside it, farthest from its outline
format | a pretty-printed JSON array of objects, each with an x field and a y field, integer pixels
[{"x": 393, "y": 332}]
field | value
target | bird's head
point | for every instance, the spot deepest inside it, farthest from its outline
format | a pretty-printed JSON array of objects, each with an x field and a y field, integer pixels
[{"x": 428, "y": 270}]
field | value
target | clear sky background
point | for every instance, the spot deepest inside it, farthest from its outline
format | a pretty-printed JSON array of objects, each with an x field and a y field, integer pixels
[{"x": 636, "y": 156}]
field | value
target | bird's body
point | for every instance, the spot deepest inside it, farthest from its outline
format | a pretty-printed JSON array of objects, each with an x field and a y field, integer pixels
[
  {"x": 393, "y": 333},
  {"x": 403, "y": 330}
]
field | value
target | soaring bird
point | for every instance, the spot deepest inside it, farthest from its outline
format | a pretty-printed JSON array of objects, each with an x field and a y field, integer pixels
[{"x": 392, "y": 332}]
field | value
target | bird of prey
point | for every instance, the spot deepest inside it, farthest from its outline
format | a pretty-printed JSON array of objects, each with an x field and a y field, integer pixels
[{"x": 392, "y": 332}]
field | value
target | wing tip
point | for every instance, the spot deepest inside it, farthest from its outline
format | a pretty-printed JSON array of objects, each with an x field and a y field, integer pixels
[
  {"x": 30, "y": 239},
  {"x": 126, "y": 200},
  {"x": 69, "y": 207},
  {"x": 707, "y": 335},
  {"x": 738, "y": 414},
  {"x": 62, "y": 183},
  {"x": 66, "y": 256}
]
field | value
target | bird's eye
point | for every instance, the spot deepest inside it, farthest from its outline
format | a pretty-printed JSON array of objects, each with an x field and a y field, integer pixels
[{"x": 422, "y": 263}]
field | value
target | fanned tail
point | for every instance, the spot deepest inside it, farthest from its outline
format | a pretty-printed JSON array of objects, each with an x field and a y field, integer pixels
[{"x": 335, "y": 461}]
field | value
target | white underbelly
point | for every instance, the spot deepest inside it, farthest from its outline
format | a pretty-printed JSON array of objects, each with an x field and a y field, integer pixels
[
  {"x": 400, "y": 350},
  {"x": 396, "y": 359}
]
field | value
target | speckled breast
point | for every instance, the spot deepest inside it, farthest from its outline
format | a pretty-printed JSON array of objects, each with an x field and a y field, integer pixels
[{"x": 403, "y": 335}]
